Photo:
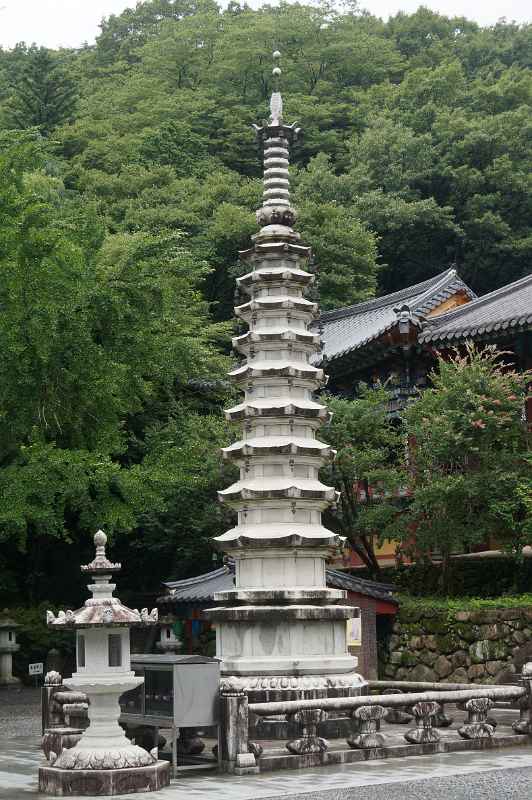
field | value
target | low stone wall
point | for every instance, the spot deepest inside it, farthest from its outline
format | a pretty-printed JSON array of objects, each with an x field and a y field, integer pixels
[{"x": 480, "y": 646}]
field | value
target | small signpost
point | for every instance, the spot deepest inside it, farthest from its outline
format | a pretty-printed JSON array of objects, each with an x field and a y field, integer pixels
[
  {"x": 354, "y": 632},
  {"x": 35, "y": 670}
]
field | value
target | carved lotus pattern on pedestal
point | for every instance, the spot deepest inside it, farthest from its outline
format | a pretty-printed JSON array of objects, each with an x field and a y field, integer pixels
[{"x": 104, "y": 759}]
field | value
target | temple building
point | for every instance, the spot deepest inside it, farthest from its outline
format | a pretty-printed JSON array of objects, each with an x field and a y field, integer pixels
[{"x": 393, "y": 339}]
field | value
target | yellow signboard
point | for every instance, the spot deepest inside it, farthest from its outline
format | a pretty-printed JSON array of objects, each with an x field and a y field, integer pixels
[{"x": 354, "y": 632}]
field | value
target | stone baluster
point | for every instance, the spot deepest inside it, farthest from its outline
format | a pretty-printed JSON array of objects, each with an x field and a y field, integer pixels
[
  {"x": 424, "y": 732},
  {"x": 237, "y": 756},
  {"x": 53, "y": 682},
  {"x": 476, "y": 725},
  {"x": 524, "y": 724},
  {"x": 368, "y": 718},
  {"x": 308, "y": 720}
]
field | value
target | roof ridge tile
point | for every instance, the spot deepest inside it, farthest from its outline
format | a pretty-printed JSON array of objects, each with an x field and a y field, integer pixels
[
  {"x": 478, "y": 302},
  {"x": 389, "y": 299}
]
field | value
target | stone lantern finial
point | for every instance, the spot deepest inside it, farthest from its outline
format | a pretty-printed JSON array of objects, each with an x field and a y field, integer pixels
[{"x": 100, "y": 562}]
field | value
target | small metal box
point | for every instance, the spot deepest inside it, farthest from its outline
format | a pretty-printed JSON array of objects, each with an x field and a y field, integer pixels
[{"x": 181, "y": 689}]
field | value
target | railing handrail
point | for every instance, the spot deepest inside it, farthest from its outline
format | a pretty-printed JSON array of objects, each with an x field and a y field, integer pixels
[
  {"x": 424, "y": 686},
  {"x": 388, "y": 700}
]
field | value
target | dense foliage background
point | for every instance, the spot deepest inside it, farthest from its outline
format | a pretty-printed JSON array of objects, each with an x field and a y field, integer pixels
[{"x": 128, "y": 178}]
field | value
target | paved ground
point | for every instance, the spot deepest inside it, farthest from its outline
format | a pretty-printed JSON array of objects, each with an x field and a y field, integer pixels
[
  {"x": 20, "y": 712},
  {"x": 497, "y": 775},
  {"x": 497, "y": 784}
]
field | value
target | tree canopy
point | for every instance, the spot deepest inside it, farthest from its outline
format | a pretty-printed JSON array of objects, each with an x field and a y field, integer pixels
[{"x": 469, "y": 458}]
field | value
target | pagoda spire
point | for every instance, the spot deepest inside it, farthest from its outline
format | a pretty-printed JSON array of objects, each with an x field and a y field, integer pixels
[
  {"x": 281, "y": 628},
  {"x": 276, "y": 138}
]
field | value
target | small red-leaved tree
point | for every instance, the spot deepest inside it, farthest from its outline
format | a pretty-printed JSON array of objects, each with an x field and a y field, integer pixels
[{"x": 470, "y": 462}]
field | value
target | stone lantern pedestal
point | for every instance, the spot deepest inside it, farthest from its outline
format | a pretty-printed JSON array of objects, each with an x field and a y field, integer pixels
[
  {"x": 104, "y": 761},
  {"x": 8, "y": 646}
]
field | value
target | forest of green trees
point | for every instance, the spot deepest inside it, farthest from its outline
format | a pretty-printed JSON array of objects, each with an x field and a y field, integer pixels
[{"x": 128, "y": 179}]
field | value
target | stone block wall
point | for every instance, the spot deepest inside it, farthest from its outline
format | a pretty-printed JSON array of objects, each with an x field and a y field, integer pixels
[{"x": 481, "y": 646}]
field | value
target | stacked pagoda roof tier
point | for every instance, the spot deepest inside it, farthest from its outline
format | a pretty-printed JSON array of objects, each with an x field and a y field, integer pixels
[
  {"x": 279, "y": 454},
  {"x": 281, "y": 627}
]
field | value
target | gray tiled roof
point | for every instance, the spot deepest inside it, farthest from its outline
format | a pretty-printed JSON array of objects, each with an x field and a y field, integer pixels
[
  {"x": 509, "y": 307},
  {"x": 347, "y": 329},
  {"x": 201, "y": 589},
  {"x": 337, "y": 579}
]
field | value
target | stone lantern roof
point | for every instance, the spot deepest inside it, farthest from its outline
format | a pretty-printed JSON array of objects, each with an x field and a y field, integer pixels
[
  {"x": 102, "y": 609},
  {"x": 7, "y": 623}
]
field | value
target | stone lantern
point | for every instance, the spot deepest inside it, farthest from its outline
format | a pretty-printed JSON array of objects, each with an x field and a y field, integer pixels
[
  {"x": 8, "y": 646},
  {"x": 104, "y": 761},
  {"x": 168, "y": 642},
  {"x": 280, "y": 632}
]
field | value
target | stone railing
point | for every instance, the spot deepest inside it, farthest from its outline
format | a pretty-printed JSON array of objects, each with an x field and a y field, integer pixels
[
  {"x": 421, "y": 706},
  {"x": 64, "y": 714}
]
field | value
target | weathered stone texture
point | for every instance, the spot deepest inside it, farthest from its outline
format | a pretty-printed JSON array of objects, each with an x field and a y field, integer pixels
[
  {"x": 423, "y": 673},
  {"x": 442, "y": 667},
  {"x": 481, "y": 646}
]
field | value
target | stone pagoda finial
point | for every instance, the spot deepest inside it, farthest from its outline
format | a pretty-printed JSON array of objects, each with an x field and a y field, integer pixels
[
  {"x": 276, "y": 101},
  {"x": 276, "y": 138},
  {"x": 102, "y": 608}
]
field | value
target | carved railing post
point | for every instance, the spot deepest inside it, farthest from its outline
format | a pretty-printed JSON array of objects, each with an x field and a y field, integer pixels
[
  {"x": 368, "y": 718},
  {"x": 477, "y": 725},
  {"x": 308, "y": 720},
  {"x": 424, "y": 732},
  {"x": 234, "y": 745},
  {"x": 53, "y": 682},
  {"x": 524, "y": 724}
]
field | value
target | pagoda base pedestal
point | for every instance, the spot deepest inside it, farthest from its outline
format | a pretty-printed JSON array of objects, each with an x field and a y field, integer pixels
[{"x": 90, "y": 782}]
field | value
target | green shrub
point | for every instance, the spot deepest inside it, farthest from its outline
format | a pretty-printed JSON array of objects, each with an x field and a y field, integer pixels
[{"x": 480, "y": 578}]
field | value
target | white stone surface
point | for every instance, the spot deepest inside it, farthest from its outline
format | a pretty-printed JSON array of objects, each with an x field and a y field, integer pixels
[{"x": 103, "y": 671}]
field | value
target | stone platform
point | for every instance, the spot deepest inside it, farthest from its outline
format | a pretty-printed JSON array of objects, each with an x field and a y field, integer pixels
[{"x": 101, "y": 782}]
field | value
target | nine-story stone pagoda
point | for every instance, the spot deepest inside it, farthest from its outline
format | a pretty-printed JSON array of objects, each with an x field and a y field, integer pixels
[{"x": 281, "y": 629}]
